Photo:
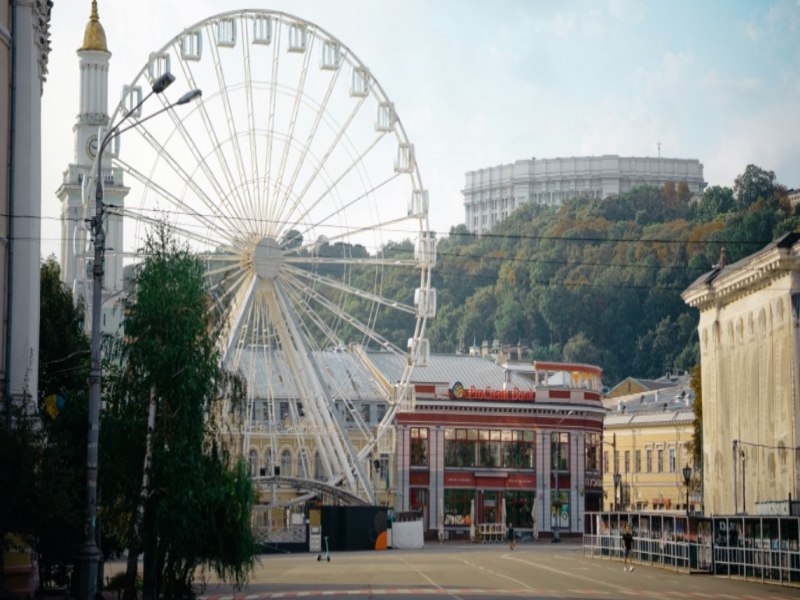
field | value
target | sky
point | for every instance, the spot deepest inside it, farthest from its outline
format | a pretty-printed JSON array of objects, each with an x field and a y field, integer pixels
[{"x": 478, "y": 84}]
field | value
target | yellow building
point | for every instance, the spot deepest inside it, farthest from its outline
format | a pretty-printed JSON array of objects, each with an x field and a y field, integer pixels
[
  {"x": 749, "y": 334},
  {"x": 646, "y": 442}
]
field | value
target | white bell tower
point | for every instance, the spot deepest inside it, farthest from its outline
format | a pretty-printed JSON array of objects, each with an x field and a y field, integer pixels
[{"x": 92, "y": 120}]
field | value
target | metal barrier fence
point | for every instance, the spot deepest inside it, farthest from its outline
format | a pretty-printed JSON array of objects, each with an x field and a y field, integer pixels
[{"x": 762, "y": 548}]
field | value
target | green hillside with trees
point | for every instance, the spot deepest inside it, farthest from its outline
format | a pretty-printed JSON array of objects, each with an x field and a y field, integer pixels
[{"x": 599, "y": 281}]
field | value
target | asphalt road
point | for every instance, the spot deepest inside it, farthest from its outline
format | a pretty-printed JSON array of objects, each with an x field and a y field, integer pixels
[{"x": 479, "y": 571}]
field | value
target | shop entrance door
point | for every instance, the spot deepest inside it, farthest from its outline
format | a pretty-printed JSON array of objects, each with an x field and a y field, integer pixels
[{"x": 490, "y": 508}]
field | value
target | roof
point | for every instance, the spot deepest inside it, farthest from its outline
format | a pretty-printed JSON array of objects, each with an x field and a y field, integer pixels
[
  {"x": 447, "y": 368},
  {"x": 637, "y": 385},
  {"x": 670, "y": 395},
  {"x": 776, "y": 257},
  {"x": 343, "y": 374},
  {"x": 94, "y": 36}
]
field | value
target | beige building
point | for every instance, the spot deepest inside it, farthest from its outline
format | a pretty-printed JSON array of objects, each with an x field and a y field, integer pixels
[
  {"x": 646, "y": 441},
  {"x": 749, "y": 348}
]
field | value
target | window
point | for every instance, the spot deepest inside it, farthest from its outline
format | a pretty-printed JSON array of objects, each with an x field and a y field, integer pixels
[
  {"x": 605, "y": 462},
  {"x": 319, "y": 473},
  {"x": 381, "y": 412},
  {"x": 559, "y": 451},
  {"x": 253, "y": 462},
  {"x": 649, "y": 460},
  {"x": 637, "y": 462},
  {"x": 660, "y": 460},
  {"x": 302, "y": 464},
  {"x": 672, "y": 460},
  {"x": 490, "y": 448},
  {"x": 457, "y": 507},
  {"x": 365, "y": 412},
  {"x": 286, "y": 463},
  {"x": 616, "y": 461},
  {"x": 268, "y": 468},
  {"x": 592, "y": 445},
  {"x": 419, "y": 447},
  {"x": 627, "y": 461},
  {"x": 283, "y": 410}
]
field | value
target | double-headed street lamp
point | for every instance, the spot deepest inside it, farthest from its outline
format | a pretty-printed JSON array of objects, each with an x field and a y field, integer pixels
[{"x": 90, "y": 554}]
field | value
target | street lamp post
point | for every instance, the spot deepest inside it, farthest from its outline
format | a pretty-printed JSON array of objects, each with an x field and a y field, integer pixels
[
  {"x": 687, "y": 478},
  {"x": 557, "y": 529},
  {"x": 89, "y": 554},
  {"x": 617, "y": 479}
]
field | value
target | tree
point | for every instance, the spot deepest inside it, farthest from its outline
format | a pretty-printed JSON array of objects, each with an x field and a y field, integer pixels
[
  {"x": 43, "y": 444},
  {"x": 753, "y": 185},
  {"x": 716, "y": 201},
  {"x": 695, "y": 446},
  {"x": 198, "y": 496},
  {"x": 63, "y": 390}
]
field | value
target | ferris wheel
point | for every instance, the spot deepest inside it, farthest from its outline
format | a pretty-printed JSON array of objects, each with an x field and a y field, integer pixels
[{"x": 293, "y": 179}]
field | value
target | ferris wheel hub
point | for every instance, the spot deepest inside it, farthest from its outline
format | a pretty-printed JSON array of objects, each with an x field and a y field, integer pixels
[{"x": 267, "y": 258}]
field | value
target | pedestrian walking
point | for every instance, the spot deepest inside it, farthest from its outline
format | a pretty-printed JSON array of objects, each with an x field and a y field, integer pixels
[
  {"x": 627, "y": 544},
  {"x": 512, "y": 541}
]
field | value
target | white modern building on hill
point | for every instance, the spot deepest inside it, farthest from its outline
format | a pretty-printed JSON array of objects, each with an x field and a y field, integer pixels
[{"x": 491, "y": 194}]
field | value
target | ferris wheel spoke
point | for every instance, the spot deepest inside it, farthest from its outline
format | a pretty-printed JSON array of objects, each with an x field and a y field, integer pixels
[
  {"x": 349, "y": 289},
  {"x": 211, "y": 221},
  {"x": 234, "y": 142},
  {"x": 294, "y": 291},
  {"x": 304, "y": 154},
  {"x": 251, "y": 125},
  {"x": 345, "y": 317},
  {"x": 298, "y": 96},
  {"x": 335, "y": 182},
  {"x": 265, "y": 210},
  {"x": 221, "y": 270},
  {"x": 376, "y": 261},
  {"x": 234, "y": 312},
  {"x": 225, "y": 198},
  {"x": 305, "y": 378},
  {"x": 338, "y": 138},
  {"x": 350, "y": 233}
]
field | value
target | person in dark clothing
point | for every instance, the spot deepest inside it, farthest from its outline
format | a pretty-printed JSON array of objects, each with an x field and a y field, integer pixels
[
  {"x": 627, "y": 544},
  {"x": 512, "y": 541}
]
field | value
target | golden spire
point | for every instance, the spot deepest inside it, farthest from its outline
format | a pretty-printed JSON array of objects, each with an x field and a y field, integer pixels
[{"x": 94, "y": 38}]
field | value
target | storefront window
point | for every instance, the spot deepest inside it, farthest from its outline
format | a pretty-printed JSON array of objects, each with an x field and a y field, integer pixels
[
  {"x": 593, "y": 446},
  {"x": 559, "y": 509},
  {"x": 419, "y": 447},
  {"x": 418, "y": 499},
  {"x": 489, "y": 448},
  {"x": 458, "y": 505}
]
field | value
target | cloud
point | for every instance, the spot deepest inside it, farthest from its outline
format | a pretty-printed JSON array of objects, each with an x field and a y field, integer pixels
[
  {"x": 669, "y": 76},
  {"x": 768, "y": 139}
]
